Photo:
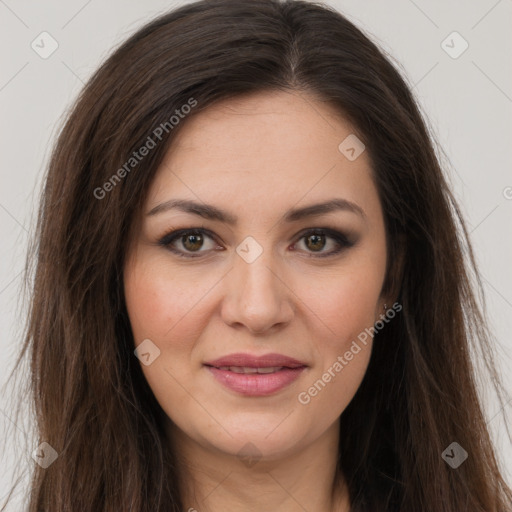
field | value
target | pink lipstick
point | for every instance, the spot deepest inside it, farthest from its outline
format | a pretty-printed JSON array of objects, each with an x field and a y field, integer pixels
[{"x": 256, "y": 375}]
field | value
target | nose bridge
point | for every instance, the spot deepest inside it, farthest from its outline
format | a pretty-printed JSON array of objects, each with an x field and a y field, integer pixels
[{"x": 256, "y": 296}]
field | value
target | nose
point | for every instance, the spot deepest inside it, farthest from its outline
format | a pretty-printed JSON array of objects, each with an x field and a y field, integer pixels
[{"x": 257, "y": 296}]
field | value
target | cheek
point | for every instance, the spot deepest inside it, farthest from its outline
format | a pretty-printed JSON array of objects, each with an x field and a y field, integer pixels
[
  {"x": 345, "y": 303},
  {"x": 168, "y": 309},
  {"x": 343, "y": 354},
  {"x": 172, "y": 309},
  {"x": 163, "y": 305}
]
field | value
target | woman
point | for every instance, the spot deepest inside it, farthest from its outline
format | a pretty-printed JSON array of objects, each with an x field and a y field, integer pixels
[{"x": 250, "y": 290}]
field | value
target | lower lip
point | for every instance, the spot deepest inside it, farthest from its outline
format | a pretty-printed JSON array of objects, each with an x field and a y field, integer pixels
[{"x": 256, "y": 384}]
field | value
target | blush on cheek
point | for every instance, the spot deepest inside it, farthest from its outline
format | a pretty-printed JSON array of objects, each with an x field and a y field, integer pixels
[
  {"x": 348, "y": 312},
  {"x": 155, "y": 303},
  {"x": 143, "y": 310}
]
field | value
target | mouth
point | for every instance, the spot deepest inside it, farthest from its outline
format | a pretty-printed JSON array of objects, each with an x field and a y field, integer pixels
[{"x": 256, "y": 376}]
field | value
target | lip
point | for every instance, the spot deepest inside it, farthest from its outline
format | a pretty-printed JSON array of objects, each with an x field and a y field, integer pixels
[{"x": 256, "y": 384}]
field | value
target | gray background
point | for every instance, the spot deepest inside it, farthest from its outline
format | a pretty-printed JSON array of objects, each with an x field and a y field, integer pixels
[{"x": 468, "y": 101}]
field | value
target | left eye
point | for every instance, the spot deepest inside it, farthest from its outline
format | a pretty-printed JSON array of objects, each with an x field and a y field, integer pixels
[
  {"x": 192, "y": 241},
  {"x": 317, "y": 240}
]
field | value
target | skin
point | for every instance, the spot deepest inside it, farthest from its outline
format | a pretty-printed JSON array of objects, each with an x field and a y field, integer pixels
[{"x": 258, "y": 156}]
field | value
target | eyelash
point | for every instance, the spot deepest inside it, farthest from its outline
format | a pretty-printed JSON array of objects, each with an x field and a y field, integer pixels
[{"x": 342, "y": 241}]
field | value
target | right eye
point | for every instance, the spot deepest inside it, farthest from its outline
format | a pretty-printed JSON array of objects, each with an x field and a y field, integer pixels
[{"x": 191, "y": 241}]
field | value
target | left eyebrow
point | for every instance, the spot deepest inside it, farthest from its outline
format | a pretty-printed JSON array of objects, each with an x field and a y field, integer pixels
[
  {"x": 208, "y": 211},
  {"x": 323, "y": 208}
]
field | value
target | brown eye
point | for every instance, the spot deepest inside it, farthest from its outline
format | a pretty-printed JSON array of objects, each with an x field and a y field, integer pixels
[
  {"x": 192, "y": 242},
  {"x": 315, "y": 242}
]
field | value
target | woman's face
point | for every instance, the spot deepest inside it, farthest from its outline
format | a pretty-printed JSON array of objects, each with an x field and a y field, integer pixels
[{"x": 258, "y": 282}]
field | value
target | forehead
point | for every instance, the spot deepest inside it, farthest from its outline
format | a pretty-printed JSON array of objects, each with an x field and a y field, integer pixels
[
  {"x": 263, "y": 125},
  {"x": 268, "y": 148}
]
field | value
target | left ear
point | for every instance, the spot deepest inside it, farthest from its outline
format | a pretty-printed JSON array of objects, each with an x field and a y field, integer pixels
[{"x": 395, "y": 270}]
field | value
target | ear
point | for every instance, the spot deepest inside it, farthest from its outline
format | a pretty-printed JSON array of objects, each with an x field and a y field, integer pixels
[{"x": 395, "y": 270}]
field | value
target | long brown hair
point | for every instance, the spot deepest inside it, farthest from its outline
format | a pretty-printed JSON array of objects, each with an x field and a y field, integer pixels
[{"x": 90, "y": 399}]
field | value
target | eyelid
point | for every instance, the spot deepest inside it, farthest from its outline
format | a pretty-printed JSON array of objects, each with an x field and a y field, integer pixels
[{"x": 340, "y": 238}]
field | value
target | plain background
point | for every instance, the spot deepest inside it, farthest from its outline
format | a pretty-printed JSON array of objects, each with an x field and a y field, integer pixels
[{"x": 468, "y": 101}]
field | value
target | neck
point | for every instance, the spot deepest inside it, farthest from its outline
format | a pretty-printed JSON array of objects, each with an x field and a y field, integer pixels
[{"x": 303, "y": 480}]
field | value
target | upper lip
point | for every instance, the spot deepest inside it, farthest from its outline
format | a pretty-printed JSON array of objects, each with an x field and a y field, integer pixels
[{"x": 250, "y": 361}]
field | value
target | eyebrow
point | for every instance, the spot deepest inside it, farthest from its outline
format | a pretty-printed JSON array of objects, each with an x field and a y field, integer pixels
[{"x": 208, "y": 211}]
